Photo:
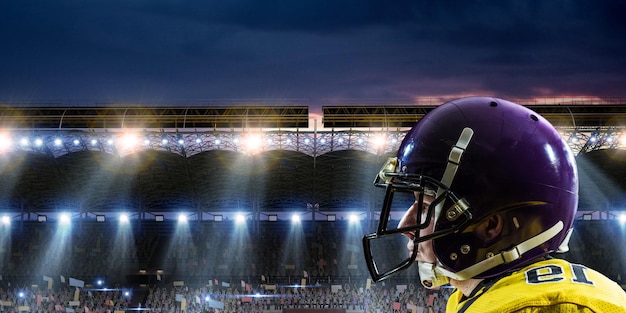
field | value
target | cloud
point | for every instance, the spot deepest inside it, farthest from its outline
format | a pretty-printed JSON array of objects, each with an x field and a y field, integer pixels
[{"x": 309, "y": 49}]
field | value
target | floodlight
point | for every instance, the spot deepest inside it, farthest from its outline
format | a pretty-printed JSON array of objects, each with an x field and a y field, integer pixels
[
  {"x": 331, "y": 217},
  {"x": 41, "y": 218},
  {"x": 100, "y": 218},
  {"x": 379, "y": 141},
  {"x": 218, "y": 218},
  {"x": 272, "y": 218},
  {"x": 128, "y": 141},
  {"x": 5, "y": 141},
  {"x": 240, "y": 218},
  {"x": 295, "y": 218},
  {"x": 353, "y": 218},
  {"x": 65, "y": 218}
]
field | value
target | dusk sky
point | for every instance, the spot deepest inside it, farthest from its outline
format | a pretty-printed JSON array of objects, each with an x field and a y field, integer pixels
[{"x": 310, "y": 51}]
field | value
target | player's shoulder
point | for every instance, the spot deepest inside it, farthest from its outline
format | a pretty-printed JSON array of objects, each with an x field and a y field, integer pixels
[
  {"x": 553, "y": 282},
  {"x": 562, "y": 271}
]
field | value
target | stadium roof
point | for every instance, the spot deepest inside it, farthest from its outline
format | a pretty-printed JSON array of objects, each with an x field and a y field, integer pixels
[{"x": 196, "y": 159}]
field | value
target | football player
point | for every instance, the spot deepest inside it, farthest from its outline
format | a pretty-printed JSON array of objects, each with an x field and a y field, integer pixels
[{"x": 494, "y": 191}]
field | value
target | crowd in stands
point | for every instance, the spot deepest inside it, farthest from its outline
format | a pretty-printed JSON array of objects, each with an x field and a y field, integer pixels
[
  {"x": 220, "y": 269},
  {"x": 173, "y": 299},
  {"x": 600, "y": 245},
  {"x": 349, "y": 297},
  {"x": 41, "y": 299}
]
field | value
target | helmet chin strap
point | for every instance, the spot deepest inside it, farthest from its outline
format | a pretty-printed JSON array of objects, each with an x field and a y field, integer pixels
[
  {"x": 434, "y": 275},
  {"x": 431, "y": 275},
  {"x": 454, "y": 160}
]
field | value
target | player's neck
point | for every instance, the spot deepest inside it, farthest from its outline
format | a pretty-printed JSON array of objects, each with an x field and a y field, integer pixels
[{"x": 465, "y": 286}]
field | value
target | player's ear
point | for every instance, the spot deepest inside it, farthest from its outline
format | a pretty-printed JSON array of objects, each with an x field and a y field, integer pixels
[{"x": 490, "y": 228}]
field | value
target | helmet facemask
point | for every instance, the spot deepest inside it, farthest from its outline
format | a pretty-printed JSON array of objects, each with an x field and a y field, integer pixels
[{"x": 386, "y": 238}]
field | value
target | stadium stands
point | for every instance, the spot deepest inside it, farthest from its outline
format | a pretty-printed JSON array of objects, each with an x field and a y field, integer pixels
[{"x": 212, "y": 264}]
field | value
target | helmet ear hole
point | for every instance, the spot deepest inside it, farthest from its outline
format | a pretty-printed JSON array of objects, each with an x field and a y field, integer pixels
[{"x": 490, "y": 228}]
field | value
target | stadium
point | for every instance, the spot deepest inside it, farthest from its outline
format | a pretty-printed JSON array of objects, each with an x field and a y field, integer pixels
[{"x": 240, "y": 207}]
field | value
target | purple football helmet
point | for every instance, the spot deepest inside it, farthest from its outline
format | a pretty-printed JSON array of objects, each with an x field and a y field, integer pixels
[{"x": 475, "y": 157}]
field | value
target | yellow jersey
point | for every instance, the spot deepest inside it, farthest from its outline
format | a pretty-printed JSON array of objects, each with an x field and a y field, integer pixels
[{"x": 552, "y": 285}]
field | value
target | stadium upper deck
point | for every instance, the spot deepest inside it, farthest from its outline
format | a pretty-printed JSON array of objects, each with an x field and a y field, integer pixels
[{"x": 93, "y": 158}]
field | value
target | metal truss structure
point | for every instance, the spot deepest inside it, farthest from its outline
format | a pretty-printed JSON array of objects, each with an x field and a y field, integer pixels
[
  {"x": 586, "y": 124},
  {"x": 58, "y": 143}
]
